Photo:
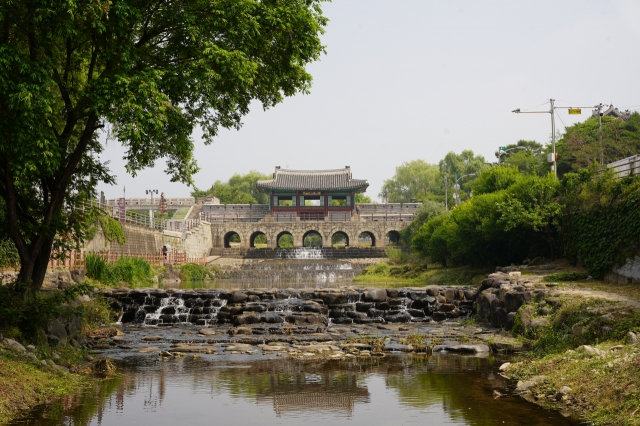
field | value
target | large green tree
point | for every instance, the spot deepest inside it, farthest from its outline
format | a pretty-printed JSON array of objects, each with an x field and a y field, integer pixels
[
  {"x": 239, "y": 189},
  {"x": 147, "y": 72},
  {"x": 463, "y": 168},
  {"x": 413, "y": 180},
  {"x": 581, "y": 144}
]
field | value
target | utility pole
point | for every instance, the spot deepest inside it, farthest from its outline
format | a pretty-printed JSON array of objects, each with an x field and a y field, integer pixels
[
  {"x": 599, "y": 108},
  {"x": 456, "y": 187},
  {"x": 151, "y": 191},
  {"x": 553, "y": 136},
  {"x": 572, "y": 110}
]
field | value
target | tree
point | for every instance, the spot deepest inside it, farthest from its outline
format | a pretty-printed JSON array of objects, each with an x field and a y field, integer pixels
[
  {"x": 413, "y": 180},
  {"x": 454, "y": 166},
  {"x": 148, "y": 72},
  {"x": 528, "y": 156},
  {"x": 239, "y": 189},
  {"x": 580, "y": 145},
  {"x": 363, "y": 199}
]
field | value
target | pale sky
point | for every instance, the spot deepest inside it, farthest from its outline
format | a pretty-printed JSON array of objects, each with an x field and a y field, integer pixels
[{"x": 415, "y": 79}]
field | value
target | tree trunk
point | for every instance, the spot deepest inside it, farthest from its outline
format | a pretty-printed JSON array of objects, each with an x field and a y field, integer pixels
[{"x": 40, "y": 265}]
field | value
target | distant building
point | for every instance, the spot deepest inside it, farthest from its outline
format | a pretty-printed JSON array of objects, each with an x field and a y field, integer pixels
[
  {"x": 312, "y": 194},
  {"x": 613, "y": 112}
]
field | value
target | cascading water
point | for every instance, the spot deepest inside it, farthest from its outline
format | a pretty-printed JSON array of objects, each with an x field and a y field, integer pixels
[
  {"x": 302, "y": 253},
  {"x": 177, "y": 310}
]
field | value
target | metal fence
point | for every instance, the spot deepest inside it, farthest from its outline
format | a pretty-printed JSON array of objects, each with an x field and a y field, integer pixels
[
  {"x": 626, "y": 167},
  {"x": 76, "y": 259}
]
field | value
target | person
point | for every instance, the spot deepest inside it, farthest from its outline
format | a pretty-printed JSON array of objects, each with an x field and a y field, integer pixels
[
  {"x": 164, "y": 251},
  {"x": 358, "y": 209}
]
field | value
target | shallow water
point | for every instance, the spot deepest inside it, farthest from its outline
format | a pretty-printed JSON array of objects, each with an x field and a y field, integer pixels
[{"x": 396, "y": 390}]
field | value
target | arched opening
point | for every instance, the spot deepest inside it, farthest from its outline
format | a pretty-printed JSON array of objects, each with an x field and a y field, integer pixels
[
  {"x": 258, "y": 240},
  {"x": 340, "y": 239},
  {"x": 284, "y": 240},
  {"x": 392, "y": 238},
  {"x": 312, "y": 239},
  {"x": 231, "y": 239},
  {"x": 366, "y": 239}
]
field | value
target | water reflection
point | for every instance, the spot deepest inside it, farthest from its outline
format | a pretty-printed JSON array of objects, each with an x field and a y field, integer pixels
[{"x": 396, "y": 390}]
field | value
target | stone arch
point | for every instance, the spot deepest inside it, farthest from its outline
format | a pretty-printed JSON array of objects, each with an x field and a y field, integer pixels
[
  {"x": 340, "y": 232},
  {"x": 257, "y": 233},
  {"x": 229, "y": 236},
  {"x": 280, "y": 233},
  {"x": 313, "y": 231},
  {"x": 369, "y": 234},
  {"x": 393, "y": 236}
]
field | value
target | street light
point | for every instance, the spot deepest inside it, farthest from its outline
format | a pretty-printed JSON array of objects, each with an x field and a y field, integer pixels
[
  {"x": 456, "y": 187},
  {"x": 503, "y": 150},
  {"x": 151, "y": 191}
]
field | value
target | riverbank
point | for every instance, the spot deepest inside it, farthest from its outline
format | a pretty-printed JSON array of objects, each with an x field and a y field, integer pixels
[
  {"x": 582, "y": 354},
  {"x": 31, "y": 376}
]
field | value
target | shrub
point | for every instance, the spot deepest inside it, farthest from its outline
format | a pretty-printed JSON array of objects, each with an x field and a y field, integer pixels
[
  {"x": 397, "y": 256},
  {"x": 194, "y": 272},
  {"x": 133, "y": 270},
  {"x": 566, "y": 276},
  {"x": 8, "y": 255}
]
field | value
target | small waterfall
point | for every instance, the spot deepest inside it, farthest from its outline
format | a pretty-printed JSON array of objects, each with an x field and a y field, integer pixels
[
  {"x": 176, "y": 310},
  {"x": 301, "y": 253}
]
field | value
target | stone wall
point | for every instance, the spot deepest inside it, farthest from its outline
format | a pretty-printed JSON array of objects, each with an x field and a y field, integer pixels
[
  {"x": 626, "y": 274},
  {"x": 298, "y": 307},
  {"x": 326, "y": 252},
  {"x": 196, "y": 242},
  {"x": 272, "y": 230}
]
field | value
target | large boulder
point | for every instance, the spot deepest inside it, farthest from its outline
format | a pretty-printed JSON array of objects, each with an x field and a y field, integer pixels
[
  {"x": 333, "y": 298},
  {"x": 514, "y": 299},
  {"x": 238, "y": 297},
  {"x": 77, "y": 275},
  {"x": 375, "y": 295},
  {"x": 432, "y": 290},
  {"x": 56, "y": 330},
  {"x": 401, "y": 316}
]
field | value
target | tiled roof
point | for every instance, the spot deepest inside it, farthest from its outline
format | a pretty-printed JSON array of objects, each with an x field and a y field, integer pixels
[{"x": 312, "y": 180}]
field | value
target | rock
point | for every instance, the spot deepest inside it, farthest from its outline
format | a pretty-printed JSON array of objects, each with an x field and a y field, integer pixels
[
  {"x": 207, "y": 331},
  {"x": 191, "y": 348},
  {"x": 239, "y": 347},
  {"x": 590, "y": 350},
  {"x": 13, "y": 345},
  {"x": 632, "y": 338},
  {"x": 474, "y": 349},
  {"x": 577, "y": 329},
  {"x": 148, "y": 349},
  {"x": 375, "y": 295},
  {"x": 399, "y": 317},
  {"x": 392, "y": 293},
  {"x": 74, "y": 326},
  {"x": 77, "y": 275},
  {"x": 524, "y": 386},
  {"x": 446, "y": 307},
  {"x": 240, "y": 330},
  {"x": 538, "y": 322},
  {"x": 439, "y": 316},
  {"x": 334, "y": 298},
  {"x": 237, "y": 297},
  {"x": 56, "y": 330},
  {"x": 504, "y": 367},
  {"x": 152, "y": 338},
  {"x": 432, "y": 290},
  {"x": 513, "y": 300}
]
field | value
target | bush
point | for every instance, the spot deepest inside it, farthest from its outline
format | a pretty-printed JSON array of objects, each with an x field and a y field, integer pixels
[
  {"x": 8, "y": 255},
  {"x": 397, "y": 256},
  {"x": 566, "y": 276},
  {"x": 133, "y": 270},
  {"x": 24, "y": 314},
  {"x": 194, "y": 272}
]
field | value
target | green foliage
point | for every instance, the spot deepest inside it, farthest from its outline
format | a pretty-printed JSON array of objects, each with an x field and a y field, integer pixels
[
  {"x": 27, "y": 313},
  {"x": 239, "y": 189},
  {"x": 8, "y": 255},
  {"x": 194, "y": 272},
  {"x": 260, "y": 239},
  {"x": 601, "y": 220},
  {"x": 132, "y": 270},
  {"x": 566, "y": 276},
  {"x": 529, "y": 157},
  {"x": 150, "y": 73},
  {"x": 498, "y": 227},
  {"x": 363, "y": 199},
  {"x": 285, "y": 241},
  {"x": 412, "y": 180},
  {"x": 580, "y": 145},
  {"x": 495, "y": 179},
  {"x": 397, "y": 256},
  {"x": 427, "y": 211},
  {"x": 312, "y": 240},
  {"x": 112, "y": 229}
]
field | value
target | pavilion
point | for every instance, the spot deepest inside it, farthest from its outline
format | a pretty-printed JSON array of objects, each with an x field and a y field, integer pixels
[{"x": 312, "y": 194}]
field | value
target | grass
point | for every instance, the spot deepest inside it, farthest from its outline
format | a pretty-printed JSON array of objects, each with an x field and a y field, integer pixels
[
  {"x": 419, "y": 274},
  {"x": 25, "y": 383},
  {"x": 194, "y": 272},
  {"x": 611, "y": 394},
  {"x": 131, "y": 270},
  {"x": 566, "y": 276}
]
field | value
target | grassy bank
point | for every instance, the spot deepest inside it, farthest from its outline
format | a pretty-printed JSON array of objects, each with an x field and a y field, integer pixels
[
  {"x": 419, "y": 274},
  {"x": 583, "y": 358},
  {"x": 25, "y": 381}
]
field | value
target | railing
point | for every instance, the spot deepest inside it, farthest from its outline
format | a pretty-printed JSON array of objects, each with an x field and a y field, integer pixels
[
  {"x": 626, "y": 167},
  {"x": 76, "y": 259}
]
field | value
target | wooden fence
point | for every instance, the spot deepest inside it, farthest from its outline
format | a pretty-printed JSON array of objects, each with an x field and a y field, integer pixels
[{"x": 76, "y": 259}]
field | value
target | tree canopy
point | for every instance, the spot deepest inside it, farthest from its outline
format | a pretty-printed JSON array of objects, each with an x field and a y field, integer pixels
[
  {"x": 147, "y": 73},
  {"x": 239, "y": 189}
]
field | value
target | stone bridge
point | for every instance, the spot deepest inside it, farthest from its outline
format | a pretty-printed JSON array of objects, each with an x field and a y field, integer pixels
[{"x": 248, "y": 231}]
